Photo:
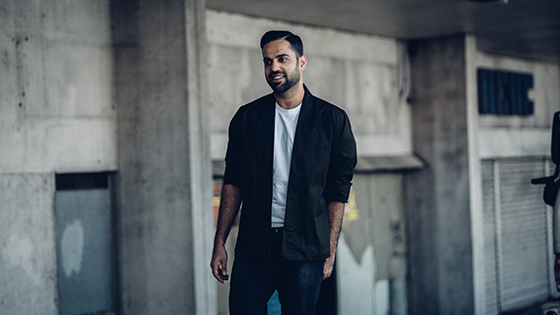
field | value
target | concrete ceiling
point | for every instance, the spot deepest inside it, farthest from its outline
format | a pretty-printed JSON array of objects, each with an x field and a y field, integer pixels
[{"x": 522, "y": 28}]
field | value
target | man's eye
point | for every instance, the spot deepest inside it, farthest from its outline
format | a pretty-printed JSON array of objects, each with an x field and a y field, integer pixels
[{"x": 282, "y": 59}]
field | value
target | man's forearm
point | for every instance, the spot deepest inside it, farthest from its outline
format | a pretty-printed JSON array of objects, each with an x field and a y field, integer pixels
[
  {"x": 336, "y": 213},
  {"x": 229, "y": 207}
]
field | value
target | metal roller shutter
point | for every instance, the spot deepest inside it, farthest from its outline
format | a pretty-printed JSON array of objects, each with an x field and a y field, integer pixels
[
  {"x": 517, "y": 235},
  {"x": 491, "y": 279}
]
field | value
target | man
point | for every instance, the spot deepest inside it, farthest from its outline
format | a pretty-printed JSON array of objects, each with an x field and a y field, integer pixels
[{"x": 290, "y": 160}]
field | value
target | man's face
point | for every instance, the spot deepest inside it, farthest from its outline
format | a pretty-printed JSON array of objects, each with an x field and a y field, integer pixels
[{"x": 282, "y": 68}]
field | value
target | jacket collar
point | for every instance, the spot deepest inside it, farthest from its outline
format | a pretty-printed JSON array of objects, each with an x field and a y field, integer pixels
[{"x": 307, "y": 97}]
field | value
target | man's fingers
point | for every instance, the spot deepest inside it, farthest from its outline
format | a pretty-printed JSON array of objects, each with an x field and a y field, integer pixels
[
  {"x": 224, "y": 274},
  {"x": 223, "y": 271},
  {"x": 328, "y": 268},
  {"x": 219, "y": 272},
  {"x": 326, "y": 274},
  {"x": 219, "y": 264}
]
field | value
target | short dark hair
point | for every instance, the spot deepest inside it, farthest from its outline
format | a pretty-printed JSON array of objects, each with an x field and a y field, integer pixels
[{"x": 294, "y": 40}]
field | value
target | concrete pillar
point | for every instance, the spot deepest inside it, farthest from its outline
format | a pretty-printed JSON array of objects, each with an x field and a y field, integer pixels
[
  {"x": 164, "y": 179},
  {"x": 440, "y": 264}
]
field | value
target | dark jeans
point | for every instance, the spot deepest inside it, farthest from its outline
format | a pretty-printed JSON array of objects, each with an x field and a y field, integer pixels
[{"x": 253, "y": 281}]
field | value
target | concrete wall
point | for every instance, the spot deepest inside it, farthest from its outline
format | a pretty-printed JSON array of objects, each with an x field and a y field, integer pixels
[
  {"x": 67, "y": 68},
  {"x": 372, "y": 248},
  {"x": 516, "y": 136},
  {"x": 496, "y": 137},
  {"x": 58, "y": 109},
  {"x": 28, "y": 282},
  {"x": 57, "y": 115},
  {"x": 438, "y": 201},
  {"x": 444, "y": 202},
  {"x": 365, "y": 75},
  {"x": 64, "y": 76}
]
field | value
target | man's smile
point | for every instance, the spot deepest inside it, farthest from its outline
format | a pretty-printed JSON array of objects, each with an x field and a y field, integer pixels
[{"x": 276, "y": 77}]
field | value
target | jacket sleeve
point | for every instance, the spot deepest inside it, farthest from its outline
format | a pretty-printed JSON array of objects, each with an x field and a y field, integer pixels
[
  {"x": 234, "y": 158},
  {"x": 343, "y": 158}
]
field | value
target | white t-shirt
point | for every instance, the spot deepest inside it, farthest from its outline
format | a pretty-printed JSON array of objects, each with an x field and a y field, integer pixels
[{"x": 285, "y": 122}]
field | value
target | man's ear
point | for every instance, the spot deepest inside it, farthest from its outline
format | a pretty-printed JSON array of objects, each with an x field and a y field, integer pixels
[{"x": 302, "y": 62}]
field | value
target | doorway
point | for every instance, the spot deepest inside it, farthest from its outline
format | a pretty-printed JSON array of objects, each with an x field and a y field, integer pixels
[{"x": 86, "y": 250}]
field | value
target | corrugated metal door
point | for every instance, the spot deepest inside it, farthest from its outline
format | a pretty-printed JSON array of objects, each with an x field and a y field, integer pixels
[
  {"x": 517, "y": 235},
  {"x": 491, "y": 278}
]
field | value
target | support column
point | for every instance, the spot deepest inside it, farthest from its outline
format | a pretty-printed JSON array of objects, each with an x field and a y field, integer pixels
[
  {"x": 164, "y": 178},
  {"x": 200, "y": 157},
  {"x": 440, "y": 263}
]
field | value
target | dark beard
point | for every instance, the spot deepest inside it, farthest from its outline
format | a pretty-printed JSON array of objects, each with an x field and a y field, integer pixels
[{"x": 281, "y": 88}]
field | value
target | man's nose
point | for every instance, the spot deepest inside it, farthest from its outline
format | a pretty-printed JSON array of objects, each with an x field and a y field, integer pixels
[{"x": 275, "y": 66}]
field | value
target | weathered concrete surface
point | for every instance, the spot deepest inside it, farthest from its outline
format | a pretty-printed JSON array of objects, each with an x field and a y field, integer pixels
[
  {"x": 159, "y": 143},
  {"x": 514, "y": 136},
  {"x": 438, "y": 208},
  {"x": 28, "y": 282},
  {"x": 58, "y": 111},
  {"x": 57, "y": 115},
  {"x": 362, "y": 74},
  {"x": 371, "y": 254}
]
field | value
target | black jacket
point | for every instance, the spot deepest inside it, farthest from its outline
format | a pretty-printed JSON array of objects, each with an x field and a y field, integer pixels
[{"x": 323, "y": 160}]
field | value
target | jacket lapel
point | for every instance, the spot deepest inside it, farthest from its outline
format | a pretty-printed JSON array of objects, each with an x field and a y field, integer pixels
[{"x": 304, "y": 126}]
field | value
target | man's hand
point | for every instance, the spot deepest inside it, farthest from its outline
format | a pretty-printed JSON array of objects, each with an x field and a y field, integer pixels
[
  {"x": 328, "y": 268},
  {"x": 219, "y": 263}
]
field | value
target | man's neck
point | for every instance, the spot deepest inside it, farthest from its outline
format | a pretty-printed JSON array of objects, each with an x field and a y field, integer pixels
[{"x": 291, "y": 98}]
